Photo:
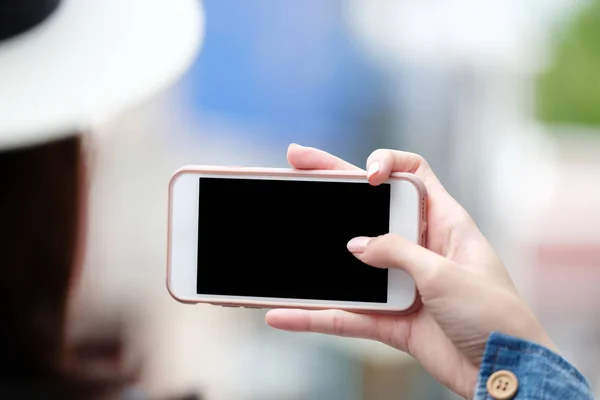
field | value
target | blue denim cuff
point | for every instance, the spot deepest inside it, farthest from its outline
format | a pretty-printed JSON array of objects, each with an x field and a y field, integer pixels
[{"x": 541, "y": 373}]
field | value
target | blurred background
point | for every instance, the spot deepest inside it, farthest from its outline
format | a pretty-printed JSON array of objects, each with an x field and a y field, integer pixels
[{"x": 502, "y": 98}]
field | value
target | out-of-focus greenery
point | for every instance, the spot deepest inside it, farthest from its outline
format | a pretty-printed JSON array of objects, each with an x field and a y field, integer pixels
[{"x": 568, "y": 92}]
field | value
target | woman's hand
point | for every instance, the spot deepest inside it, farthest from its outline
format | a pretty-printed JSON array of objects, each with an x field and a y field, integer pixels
[{"x": 465, "y": 289}]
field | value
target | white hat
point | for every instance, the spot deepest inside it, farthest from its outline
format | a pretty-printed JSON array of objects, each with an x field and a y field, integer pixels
[{"x": 65, "y": 64}]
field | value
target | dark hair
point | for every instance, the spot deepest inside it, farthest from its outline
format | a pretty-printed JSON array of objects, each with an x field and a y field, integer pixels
[{"x": 40, "y": 203}]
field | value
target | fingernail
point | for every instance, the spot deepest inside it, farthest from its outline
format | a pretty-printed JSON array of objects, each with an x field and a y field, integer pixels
[
  {"x": 294, "y": 145},
  {"x": 373, "y": 169},
  {"x": 358, "y": 244}
]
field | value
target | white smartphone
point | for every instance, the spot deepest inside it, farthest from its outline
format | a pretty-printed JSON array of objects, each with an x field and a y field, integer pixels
[{"x": 276, "y": 238}]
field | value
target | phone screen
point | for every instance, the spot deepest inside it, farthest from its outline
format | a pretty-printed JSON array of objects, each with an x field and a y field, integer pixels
[{"x": 287, "y": 239}]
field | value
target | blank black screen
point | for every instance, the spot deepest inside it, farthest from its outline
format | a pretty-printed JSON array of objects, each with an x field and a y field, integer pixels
[{"x": 287, "y": 239}]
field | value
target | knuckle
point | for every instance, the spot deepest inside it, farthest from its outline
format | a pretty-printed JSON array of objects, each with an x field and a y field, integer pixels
[
  {"x": 423, "y": 165},
  {"x": 419, "y": 165},
  {"x": 382, "y": 251},
  {"x": 383, "y": 332},
  {"x": 385, "y": 242},
  {"x": 338, "y": 323},
  {"x": 419, "y": 159},
  {"x": 422, "y": 160},
  {"x": 379, "y": 154}
]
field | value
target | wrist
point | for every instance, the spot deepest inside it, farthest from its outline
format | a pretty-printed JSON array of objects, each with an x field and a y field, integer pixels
[
  {"x": 538, "y": 335},
  {"x": 524, "y": 325}
]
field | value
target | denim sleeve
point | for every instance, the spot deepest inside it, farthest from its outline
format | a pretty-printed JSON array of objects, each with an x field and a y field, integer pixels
[{"x": 541, "y": 373}]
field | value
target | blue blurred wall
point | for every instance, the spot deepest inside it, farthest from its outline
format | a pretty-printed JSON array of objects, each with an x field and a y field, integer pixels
[{"x": 290, "y": 68}]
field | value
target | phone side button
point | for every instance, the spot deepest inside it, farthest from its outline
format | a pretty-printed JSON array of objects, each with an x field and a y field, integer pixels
[{"x": 230, "y": 306}]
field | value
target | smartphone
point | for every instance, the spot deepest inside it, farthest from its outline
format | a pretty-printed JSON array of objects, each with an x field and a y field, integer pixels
[{"x": 276, "y": 238}]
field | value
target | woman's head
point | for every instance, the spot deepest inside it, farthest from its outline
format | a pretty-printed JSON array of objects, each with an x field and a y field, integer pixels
[
  {"x": 41, "y": 246},
  {"x": 38, "y": 241}
]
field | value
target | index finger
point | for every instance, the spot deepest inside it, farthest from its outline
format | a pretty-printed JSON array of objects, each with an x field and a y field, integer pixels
[
  {"x": 301, "y": 157},
  {"x": 382, "y": 163}
]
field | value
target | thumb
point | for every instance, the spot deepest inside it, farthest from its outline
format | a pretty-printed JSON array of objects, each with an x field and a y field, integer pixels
[{"x": 393, "y": 251}]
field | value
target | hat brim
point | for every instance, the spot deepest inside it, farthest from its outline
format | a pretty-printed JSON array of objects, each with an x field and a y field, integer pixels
[{"x": 89, "y": 60}]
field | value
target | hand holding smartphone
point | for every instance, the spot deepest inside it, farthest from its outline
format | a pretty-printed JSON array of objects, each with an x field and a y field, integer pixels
[{"x": 276, "y": 238}]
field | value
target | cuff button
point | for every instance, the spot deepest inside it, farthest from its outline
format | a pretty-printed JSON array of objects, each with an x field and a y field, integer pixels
[{"x": 502, "y": 385}]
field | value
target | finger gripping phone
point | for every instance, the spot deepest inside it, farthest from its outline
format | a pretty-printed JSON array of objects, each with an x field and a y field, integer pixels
[{"x": 276, "y": 238}]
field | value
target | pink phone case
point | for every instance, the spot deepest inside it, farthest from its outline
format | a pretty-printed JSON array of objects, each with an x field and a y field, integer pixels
[{"x": 285, "y": 172}]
